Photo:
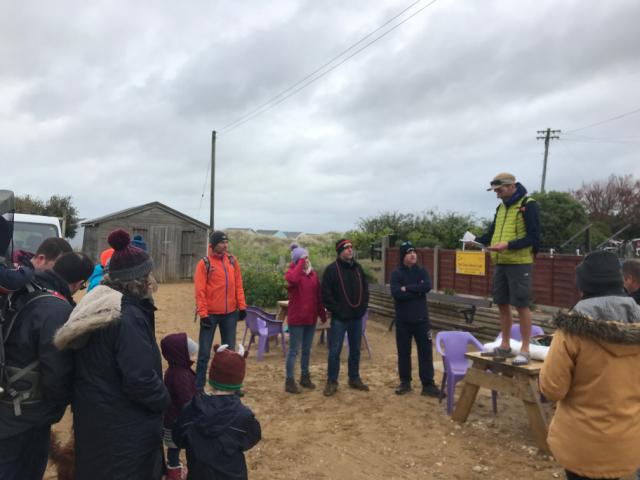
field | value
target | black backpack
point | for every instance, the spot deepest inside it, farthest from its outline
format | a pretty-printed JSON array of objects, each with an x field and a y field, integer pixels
[{"x": 11, "y": 305}]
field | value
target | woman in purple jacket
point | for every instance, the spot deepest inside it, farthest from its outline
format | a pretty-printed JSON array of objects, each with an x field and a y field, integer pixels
[{"x": 180, "y": 352}]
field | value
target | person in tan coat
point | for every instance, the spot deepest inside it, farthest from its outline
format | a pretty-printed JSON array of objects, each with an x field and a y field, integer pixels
[{"x": 592, "y": 372}]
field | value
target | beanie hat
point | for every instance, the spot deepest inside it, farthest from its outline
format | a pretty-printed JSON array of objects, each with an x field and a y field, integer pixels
[
  {"x": 599, "y": 274},
  {"x": 297, "y": 252},
  {"x": 217, "y": 237},
  {"x": 6, "y": 234},
  {"x": 73, "y": 267},
  {"x": 192, "y": 346},
  {"x": 139, "y": 242},
  {"x": 405, "y": 248},
  {"x": 342, "y": 244},
  {"x": 127, "y": 262},
  {"x": 227, "y": 368}
]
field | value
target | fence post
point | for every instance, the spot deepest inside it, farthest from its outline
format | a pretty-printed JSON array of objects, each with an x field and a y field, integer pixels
[
  {"x": 384, "y": 246},
  {"x": 436, "y": 251}
]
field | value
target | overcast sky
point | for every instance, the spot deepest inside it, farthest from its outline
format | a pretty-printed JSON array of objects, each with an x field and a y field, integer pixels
[{"x": 114, "y": 102}]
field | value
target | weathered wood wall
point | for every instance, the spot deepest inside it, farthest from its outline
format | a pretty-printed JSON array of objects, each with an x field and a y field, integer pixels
[
  {"x": 174, "y": 243},
  {"x": 553, "y": 277}
]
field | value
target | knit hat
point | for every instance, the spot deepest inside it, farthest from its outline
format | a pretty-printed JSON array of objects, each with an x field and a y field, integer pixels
[
  {"x": 139, "y": 242},
  {"x": 405, "y": 248},
  {"x": 227, "y": 368},
  {"x": 599, "y": 274},
  {"x": 342, "y": 244},
  {"x": 127, "y": 262},
  {"x": 500, "y": 180},
  {"x": 217, "y": 237},
  {"x": 6, "y": 234},
  {"x": 192, "y": 346},
  {"x": 73, "y": 267},
  {"x": 297, "y": 252}
]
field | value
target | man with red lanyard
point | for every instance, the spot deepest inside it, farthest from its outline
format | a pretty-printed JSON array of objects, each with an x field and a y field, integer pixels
[{"x": 345, "y": 293}]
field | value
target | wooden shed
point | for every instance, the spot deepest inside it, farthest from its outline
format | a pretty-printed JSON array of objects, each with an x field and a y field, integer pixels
[{"x": 175, "y": 241}]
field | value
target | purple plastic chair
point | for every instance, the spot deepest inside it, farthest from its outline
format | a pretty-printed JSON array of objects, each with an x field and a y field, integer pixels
[
  {"x": 264, "y": 328},
  {"x": 365, "y": 317},
  {"x": 263, "y": 313},
  {"x": 455, "y": 364}
]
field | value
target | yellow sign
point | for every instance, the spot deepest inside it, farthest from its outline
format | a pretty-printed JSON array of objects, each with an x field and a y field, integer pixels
[{"x": 470, "y": 262}]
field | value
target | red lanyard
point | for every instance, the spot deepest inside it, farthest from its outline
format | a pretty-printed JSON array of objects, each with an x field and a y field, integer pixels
[{"x": 344, "y": 291}]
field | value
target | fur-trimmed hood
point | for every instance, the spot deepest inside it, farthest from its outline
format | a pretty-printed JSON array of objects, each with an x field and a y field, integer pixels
[
  {"x": 97, "y": 309},
  {"x": 618, "y": 338}
]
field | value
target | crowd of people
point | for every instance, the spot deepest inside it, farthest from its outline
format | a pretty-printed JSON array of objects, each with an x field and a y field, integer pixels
[{"x": 101, "y": 356}]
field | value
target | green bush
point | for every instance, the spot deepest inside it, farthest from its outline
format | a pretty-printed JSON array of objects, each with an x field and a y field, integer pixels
[{"x": 264, "y": 285}]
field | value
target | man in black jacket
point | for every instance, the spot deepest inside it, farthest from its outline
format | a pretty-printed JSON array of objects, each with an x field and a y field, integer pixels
[
  {"x": 40, "y": 396},
  {"x": 410, "y": 284},
  {"x": 345, "y": 293}
]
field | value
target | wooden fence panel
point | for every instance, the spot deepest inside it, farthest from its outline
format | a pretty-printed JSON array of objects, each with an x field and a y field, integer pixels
[{"x": 553, "y": 277}]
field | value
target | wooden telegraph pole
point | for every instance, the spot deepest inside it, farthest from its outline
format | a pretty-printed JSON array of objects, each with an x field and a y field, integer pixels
[
  {"x": 548, "y": 136},
  {"x": 213, "y": 179}
]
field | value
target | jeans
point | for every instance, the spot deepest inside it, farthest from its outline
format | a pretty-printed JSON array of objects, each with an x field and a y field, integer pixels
[
  {"x": 336, "y": 339},
  {"x": 227, "y": 324},
  {"x": 299, "y": 334},
  {"x": 405, "y": 333},
  {"x": 24, "y": 456}
]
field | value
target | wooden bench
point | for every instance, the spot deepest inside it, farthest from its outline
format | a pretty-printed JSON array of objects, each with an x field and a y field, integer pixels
[{"x": 382, "y": 302}]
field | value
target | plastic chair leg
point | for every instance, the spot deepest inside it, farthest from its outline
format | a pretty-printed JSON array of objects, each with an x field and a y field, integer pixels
[
  {"x": 366, "y": 342},
  {"x": 451, "y": 390},
  {"x": 494, "y": 401},
  {"x": 263, "y": 346},
  {"x": 442, "y": 386},
  {"x": 244, "y": 337},
  {"x": 284, "y": 346}
]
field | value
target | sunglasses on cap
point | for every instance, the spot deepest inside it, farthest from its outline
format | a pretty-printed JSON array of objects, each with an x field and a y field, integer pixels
[{"x": 499, "y": 183}]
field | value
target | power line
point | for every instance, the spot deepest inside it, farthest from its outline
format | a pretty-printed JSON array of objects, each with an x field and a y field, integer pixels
[
  {"x": 319, "y": 69},
  {"x": 302, "y": 84},
  {"x": 632, "y": 112}
]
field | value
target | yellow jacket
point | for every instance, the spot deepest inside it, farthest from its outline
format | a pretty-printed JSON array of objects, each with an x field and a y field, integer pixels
[{"x": 592, "y": 371}]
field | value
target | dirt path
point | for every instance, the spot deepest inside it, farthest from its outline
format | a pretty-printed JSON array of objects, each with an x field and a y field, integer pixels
[{"x": 374, "y": 435}]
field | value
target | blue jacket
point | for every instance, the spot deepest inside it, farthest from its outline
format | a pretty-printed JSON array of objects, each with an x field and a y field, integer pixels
[
  {"x": 411, "y": 305},
  {"x": 96, "y": 277},
  {"x": 216, "y": 430}
]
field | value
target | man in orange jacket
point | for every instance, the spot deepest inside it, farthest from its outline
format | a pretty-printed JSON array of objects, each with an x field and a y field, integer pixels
[{"x": 219, "y": 300}]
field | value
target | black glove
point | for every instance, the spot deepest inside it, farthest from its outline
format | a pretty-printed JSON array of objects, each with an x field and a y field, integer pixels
[{"x": 242, "y": 314}]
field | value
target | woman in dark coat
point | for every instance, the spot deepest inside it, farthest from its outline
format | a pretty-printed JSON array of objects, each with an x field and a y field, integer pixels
[{"x": 119, "y": 396}]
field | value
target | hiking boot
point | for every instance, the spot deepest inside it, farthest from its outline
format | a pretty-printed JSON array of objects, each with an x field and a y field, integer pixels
[
  {"x": 305, "y": 382},
  {"x": 290, "y": 386},
  {"x": 330, "y": 388},
  {"x": 357, "y": 384},
  {"x": 431, "y": 390},
  {"x": 404, "y": 387}
]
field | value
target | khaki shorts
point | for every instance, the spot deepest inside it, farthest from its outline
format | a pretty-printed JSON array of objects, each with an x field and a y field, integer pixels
[{"x": 512, "y": 285}]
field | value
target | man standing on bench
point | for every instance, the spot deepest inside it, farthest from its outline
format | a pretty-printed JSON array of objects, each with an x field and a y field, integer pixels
[{"x": 513, "y": 239}]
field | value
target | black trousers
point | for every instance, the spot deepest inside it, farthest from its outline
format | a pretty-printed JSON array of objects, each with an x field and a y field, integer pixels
[{"x": 421, "y": 332}]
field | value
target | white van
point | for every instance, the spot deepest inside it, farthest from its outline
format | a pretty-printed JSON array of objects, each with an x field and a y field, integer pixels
[{"x": 30, "y": 230}]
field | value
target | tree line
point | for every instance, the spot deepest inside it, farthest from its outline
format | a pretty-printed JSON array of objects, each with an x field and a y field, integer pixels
[{"x": 607, "y": 205}]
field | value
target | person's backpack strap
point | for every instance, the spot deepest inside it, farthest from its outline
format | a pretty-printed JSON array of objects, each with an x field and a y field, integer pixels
[
  {"x": 10, "y": 315},
  {"x": 207, "y": 266}
]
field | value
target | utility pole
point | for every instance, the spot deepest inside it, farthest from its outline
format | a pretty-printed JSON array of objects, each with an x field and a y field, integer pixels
[
  {"x": 548, "y": 136},
  {"x": 213, "y": 178}
]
